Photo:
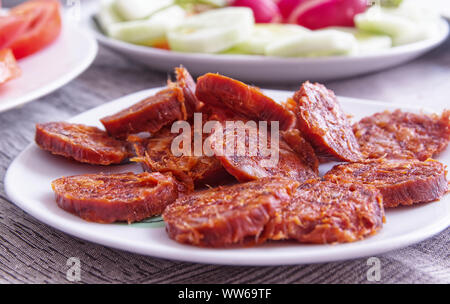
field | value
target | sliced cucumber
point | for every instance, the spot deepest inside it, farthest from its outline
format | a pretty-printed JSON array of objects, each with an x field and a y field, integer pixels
[
  {"x": 213, "y": 3},
  {"x": 314, "y": 44},
  {"x": 212, "y": 31},
  {"x": 371, "y": 43},
  {"x": 216, "y": 3},
  {"x": 391, "y": 3},
  {"x": 265, "y": 34},
  {"x": 424, "y": 16},
  {"x": 140, "y": 9},
  {"x": 404, "y": 24},
  {"x": 367, "y": 42},
  {"x": 107, "y": 16},
  {"x": 150, "y": 31}
]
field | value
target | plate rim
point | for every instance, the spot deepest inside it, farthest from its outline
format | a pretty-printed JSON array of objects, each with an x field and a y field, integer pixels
[
  {"x": 356, "y": 250},
  {"x": 83, "y": 65}
]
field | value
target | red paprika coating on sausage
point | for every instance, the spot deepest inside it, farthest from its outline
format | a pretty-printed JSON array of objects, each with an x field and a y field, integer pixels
[
  {"x": 403, "y": 135},
  {"x": 176, "y": 102},
  {"x": 401, "y": 182},
  {"x": 322, "y": 212},
  {"x": 229, "y": 215},
  {"x": 323, "y": 123},
  {"x": 187, "y": 84},
  {"x": 243, "y": 155},
  {"x": 302, "y": 148},
  {"x": 155, "y": 155},
  {"x": 148, "y": 115},
  {"x": 220, "y": 91},
  {"x": 108, "y": 198},
  {"x": 82, "y": 143}
]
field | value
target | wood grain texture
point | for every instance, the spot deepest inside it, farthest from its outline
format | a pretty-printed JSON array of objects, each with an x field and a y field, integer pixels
[{"x": 34, "y": 252}]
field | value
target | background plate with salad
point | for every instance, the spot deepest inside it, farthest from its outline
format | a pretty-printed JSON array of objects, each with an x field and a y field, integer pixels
[{"x": 267, "y": 40}]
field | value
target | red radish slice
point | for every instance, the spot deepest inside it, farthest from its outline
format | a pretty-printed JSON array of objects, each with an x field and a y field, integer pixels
[
  {"x": 316, "y": 14},
  {"x": 265, "y": 11},
  {"x": 286, "y": 7}
]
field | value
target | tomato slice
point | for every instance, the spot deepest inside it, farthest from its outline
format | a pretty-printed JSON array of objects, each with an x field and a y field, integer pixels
[
  {"x": 162, "y": 45},
  {"x": 43, "y": 26},
  {"x": 10, "y": 28},
  {"x": 8, "y": 66}
]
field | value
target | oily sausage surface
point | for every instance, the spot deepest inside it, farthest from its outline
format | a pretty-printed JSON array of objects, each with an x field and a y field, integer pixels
[
  {"x": 302, "y": 148},
  {"x": 323, "y": 212},
  {"x": 187, "y": 84},
  {"x": 276, "y": 209},
  {"x": 148, "y": 115},
  {"x": 82, "y": 143},
  {"x": 324, "y": 124},
  {"x": 401, "y": 182},
  {"x": 220, "y": 91},
  {"x": 402, "y": 135},
  {"x": 228, "y": 215},
  {"x": 108, "y": 198},
  {"x": 155, "y": 155},
  {"x": 176, "y": 102},
  {"x": 247, "y": 156}
]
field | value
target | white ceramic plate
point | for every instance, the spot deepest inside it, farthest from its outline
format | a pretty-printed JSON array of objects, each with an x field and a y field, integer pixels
[
  {"x": 440, "y": 6},
  {"x": 27, "y": 184},
  {"x": 264, "y": 69},
  {"x": 51, "y": 68}
]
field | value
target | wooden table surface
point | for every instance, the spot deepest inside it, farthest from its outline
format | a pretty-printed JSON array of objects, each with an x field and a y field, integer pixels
[{"x": 31, "y": 251}]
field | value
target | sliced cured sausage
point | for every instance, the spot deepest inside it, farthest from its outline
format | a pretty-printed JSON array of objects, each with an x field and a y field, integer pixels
[
  {"x": 221, "y": 91},
  {"x": 400, "y": 135},
  {"x": 148, "y": 115},
  {"x": 82, "y": 143},
  {"x": 214, "y": 113},
  {"x": 187, "y": 84},
  {"x": 156, "y": 155},
  {"x": 324, "y": 124},
  {"x": 323, "y": 212},
  {"x": 108, "y": 198},
  {"x": 176, "y": 102},
  {"x": 245, "y": 154},
  {"x": 303, "y": 148},
  {"x": 229, "y": 215},
  {"x": 401, "y": 182}
]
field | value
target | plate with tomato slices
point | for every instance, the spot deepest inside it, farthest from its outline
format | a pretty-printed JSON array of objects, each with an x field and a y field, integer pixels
[
  {"x": 265, "y": 40},
  {"x": 39, "y": 52}
]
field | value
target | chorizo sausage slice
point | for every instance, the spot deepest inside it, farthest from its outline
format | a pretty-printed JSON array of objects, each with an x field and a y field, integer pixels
[
  {"x": 228, "y": 215},
  {"x": 240, "y": 150},
  {"x": 187, "y": 84},
  {"x": 323, "y": 212},
  {"x": 401, "y": 182},
  {"x": 155, "y": 155},
  {"x": 148, "y": 115},
  {"x": 108, "y": 198},
  {"x": 221, "y": 91},
  {"x": 302, "y": 148},
  {"x": 82, "y": 143},
  {"x": 401, "y": 135},
  {"x": 324, "y": 124},
  {"x": 176, "y": 102}
]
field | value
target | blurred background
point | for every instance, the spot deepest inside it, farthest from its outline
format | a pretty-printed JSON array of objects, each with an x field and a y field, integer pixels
[{"x": 443, "y": 5}]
